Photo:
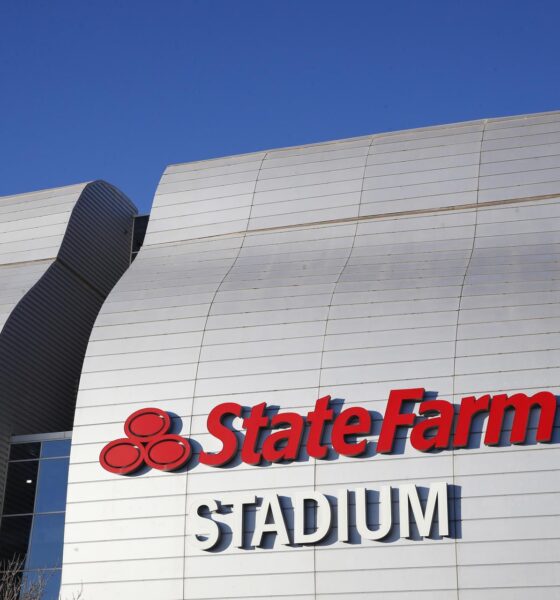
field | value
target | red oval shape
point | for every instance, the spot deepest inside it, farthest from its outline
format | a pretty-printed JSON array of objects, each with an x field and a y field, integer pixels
[
  {"x": 147, "y": 423},
  {"x": 121, "y": 456},
  {"x": 168, "y": 452}
]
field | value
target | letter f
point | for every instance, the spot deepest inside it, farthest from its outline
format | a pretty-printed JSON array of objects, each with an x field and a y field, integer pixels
[{"x": 395, "y": 418}]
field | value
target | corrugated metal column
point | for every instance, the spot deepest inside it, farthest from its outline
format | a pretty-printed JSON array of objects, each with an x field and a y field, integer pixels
[
  {"x": 4, "y": 455},
  {"x": 44, "y": 338}
]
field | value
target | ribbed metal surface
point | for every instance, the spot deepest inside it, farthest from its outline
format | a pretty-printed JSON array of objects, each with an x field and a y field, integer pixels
[
  {"x": 4, "y": 456},
  {"x": 31, "y": 231},
  {"x": 420, "y": 258},
  {"x": 98, "y": 241},
  {"x": 61, "y": 251}
]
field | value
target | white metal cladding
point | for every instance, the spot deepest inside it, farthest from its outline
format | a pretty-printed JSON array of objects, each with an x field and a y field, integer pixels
[
  {"x": 31, "y": 230},
  {"x": 421, "y": 258}
]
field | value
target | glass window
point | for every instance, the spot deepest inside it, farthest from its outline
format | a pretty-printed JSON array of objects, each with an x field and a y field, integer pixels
[
  {"x": 20, "y": 487},
  {"x": 25, "y": 451},
  {"x": 45, "y": 548},
  {"x": 52, "y": 585},
  {"x": 52, "y": 485},
  {"x": 32, "y": 525},
  {"x": 47, "y": 581},
  {"x": 138, "y": 233},
  {"x": 14, "y": 537},
  {"x": 55, "y": 448}
]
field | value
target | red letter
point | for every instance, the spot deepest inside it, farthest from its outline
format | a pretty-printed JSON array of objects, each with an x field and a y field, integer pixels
[
  {"x": 522, "y": 405},
  {"x": 442, "y": 423},
  {"x": 352, "y": 421},
  {"x": 470, "y": 406},
  {"x": 394, "y": 418},
  {"x": 284, "y": 444},
  {"x": 254, "y": 424},
  {"x": 223, "y": 433},
  {"x": 317, "y": 418}
]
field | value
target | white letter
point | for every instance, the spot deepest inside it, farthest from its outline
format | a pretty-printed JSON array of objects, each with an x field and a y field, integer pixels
[
  {"x": 408, "y": 494},
  {"x": 323, "y": 521},
  {"x": 342, "y": 515},
  {"x": 385, "y": 514},
  {"x": 270, "y": 503},
  {"x": 237, "y": 504},
  {"x": 204, "y": 526}
]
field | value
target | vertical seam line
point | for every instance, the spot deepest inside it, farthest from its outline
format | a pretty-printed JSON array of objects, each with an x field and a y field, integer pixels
[
  {"x": 461, "y": 291},
  {"x": 216, "y": 291},
  {"x": 325, "y": 335}
]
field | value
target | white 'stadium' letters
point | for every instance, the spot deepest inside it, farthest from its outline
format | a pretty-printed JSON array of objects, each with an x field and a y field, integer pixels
[
  {"x": 270, "y": 519},
  {"x": 385, "y": 514},
  {"x": 208, "y": 531},
  {"x": 408, "y": 495},
  {"x": 311, "y": 521},
  {"x": 323, "y": 518}
]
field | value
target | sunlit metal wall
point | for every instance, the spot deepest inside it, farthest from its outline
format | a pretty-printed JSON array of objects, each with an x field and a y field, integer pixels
[{"x": 420, "y": 258}]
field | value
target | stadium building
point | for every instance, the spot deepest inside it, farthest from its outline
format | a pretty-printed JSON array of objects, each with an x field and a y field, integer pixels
[{"x": 327, "y": 372}]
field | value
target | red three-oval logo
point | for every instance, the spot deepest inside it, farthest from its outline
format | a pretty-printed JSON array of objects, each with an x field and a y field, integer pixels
[{"x": 147, "y": 443}]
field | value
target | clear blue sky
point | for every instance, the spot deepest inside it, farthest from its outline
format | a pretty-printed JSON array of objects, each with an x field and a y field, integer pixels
[{"x": 117, "y": 90}]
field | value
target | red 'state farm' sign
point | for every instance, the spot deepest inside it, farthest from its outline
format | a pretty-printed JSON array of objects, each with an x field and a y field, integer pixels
[{"x": 434, "y": 426}]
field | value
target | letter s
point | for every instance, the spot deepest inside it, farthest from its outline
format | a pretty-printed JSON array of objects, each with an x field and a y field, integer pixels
[
  {"x": 205, "y": 533},
  {"x": 223, "y": 433}
]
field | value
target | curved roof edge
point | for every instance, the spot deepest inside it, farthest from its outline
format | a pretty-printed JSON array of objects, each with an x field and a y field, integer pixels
[{"x": 432, "y": 168}]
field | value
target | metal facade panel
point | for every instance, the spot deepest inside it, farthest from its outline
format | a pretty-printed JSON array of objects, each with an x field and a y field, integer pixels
[
  {"x": 61, "y": 251},
  {"x": 23, "y": 264},
  {"x": 350, "y": 268}
]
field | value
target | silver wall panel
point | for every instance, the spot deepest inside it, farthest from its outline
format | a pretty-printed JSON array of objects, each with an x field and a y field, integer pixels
[{"x": 424, "y": 258}]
